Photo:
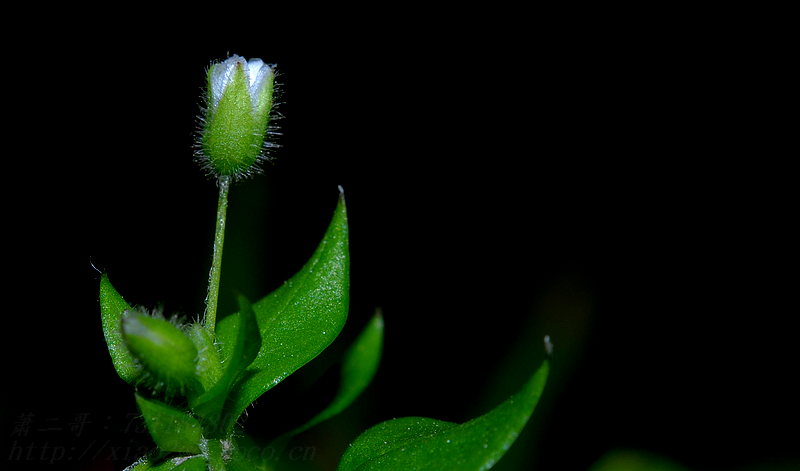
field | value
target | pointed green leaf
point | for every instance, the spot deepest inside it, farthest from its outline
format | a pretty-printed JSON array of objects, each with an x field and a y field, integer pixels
[
  {"x": 171, "y": 429},
  {"x": 360, "y": 364},
  {"x": 243, "y": 350},
  {"x": 112, "y": 307},
  {"x": 240, "y": 338},
  {"x": 299, "y": 319},
  {"x": 426, "y": 444}
]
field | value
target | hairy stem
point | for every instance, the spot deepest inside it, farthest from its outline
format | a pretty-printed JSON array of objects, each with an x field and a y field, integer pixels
[{"x": 216, "y": 261}]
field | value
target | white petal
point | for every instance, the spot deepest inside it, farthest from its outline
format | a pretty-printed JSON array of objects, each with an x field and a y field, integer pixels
[{"x": 254, "y": 65}]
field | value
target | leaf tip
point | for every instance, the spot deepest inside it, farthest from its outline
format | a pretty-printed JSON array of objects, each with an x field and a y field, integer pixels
[
  {"x": 548, "y": 346},
  {"x": 97, "y": 269},
  {"x": 341, "y": 193}
]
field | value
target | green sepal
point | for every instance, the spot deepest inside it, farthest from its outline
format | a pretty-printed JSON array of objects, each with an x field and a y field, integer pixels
[
  {"x": 230, "y": 138},
  {"x": 426, "y": 444},
  {"x": 112, "y": 309},
  {"x": 244, "y": 341},
  {"x": 209, "y": 365},
  {"x": 264, "y": 106},
  {"x": 171, "y": 429},
  {"x": 299, "y": 319}
]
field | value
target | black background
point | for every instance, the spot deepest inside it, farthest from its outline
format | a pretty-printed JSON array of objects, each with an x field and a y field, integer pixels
[{"x": 577, "y": 184}]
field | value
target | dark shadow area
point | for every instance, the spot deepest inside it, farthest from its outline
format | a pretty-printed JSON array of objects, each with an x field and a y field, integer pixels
[{"x": 493, "y": 198}]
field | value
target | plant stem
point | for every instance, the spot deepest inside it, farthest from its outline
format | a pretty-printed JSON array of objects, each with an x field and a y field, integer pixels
[{"x": 224, "y": 184}]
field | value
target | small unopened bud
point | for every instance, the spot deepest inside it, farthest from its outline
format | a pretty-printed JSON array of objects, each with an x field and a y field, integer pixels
[
  {"x": 240, "y": 96},
  {"x": 167, "y": 354}
]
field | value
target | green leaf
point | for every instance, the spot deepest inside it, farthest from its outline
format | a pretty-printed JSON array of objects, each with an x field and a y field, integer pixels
[
  {"x": 112, "y": 307},
  {"x": 299, "y": 319},
  {"x": 171, "y": 429},
  {"x": 244, "y": 349},
  {"x": 427, "y": 444},
  {"x": 358, "y": 368},
  {"x": 240, "y": 339}
]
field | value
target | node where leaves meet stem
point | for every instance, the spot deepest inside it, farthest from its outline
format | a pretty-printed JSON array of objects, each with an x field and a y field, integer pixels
[{"x": 224, "y": 184}]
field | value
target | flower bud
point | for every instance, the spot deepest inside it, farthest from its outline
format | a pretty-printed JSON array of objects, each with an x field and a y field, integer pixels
[
  {"x": 239, "y": 99},
  {"x": 167, "y": 354}
]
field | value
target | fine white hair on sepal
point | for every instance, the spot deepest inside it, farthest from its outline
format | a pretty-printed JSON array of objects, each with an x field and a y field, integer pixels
[{"x": 548, "y": 345}]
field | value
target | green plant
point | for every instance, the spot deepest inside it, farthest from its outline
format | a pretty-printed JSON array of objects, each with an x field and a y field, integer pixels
[{"x": 194, "y": 381}]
